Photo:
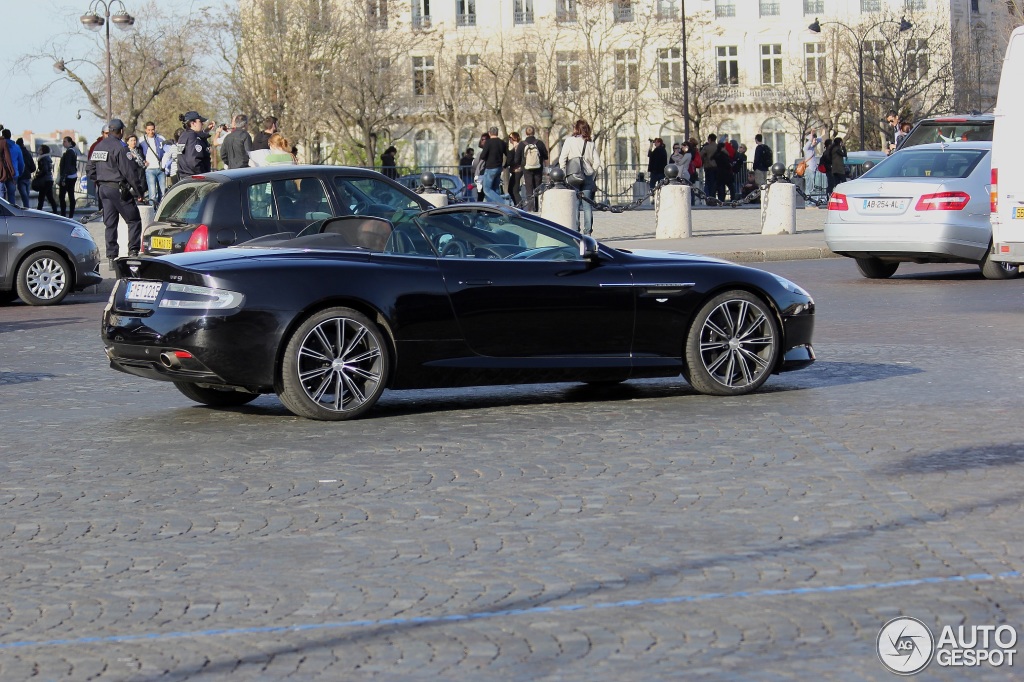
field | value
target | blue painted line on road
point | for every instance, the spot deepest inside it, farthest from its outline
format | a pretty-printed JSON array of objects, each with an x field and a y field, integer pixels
[{"x": 484, "y": 615}]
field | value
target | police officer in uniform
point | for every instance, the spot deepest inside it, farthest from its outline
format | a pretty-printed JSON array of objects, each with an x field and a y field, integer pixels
[
  {"x": 116, "y": 176},
  {"x": 194, "y": 145}
]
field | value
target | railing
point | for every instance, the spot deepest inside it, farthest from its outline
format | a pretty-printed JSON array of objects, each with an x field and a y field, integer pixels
[
  {"x": 724, "y": 10},
  {"x": 770, "y": 9},
  {"x": 565, "y": 16},
  {"x": 814, "y": 6},
  {"x": 523, "y": 17},
  {"x": 624, "y": 13},
  {"x": 421, "y": 21},
  {"x": 377, "y": 22},
  {"x": 870, "y": 5},
  {"x": 916, "y": 5},
  {"x": 465, "y": 19}
]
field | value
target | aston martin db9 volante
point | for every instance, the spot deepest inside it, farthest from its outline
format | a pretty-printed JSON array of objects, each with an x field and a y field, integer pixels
[{"x": 464, "y": 295}]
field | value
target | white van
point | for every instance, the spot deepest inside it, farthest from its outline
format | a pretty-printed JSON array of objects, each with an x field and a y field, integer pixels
[{"x": 1007, "y": 192}]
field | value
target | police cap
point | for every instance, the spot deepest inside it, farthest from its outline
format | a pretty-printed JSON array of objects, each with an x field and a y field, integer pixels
[
  {"x": 193, "y": 115},
  {"x": 115, "y": 124}
]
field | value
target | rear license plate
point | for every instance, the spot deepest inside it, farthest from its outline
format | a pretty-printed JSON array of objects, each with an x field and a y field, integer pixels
[
  {"x": 1018, "y": 213},
  {"x": 163, "y": 243},
  {"x": 885, "y": 204},
  {"x": 143, "y": 291}
]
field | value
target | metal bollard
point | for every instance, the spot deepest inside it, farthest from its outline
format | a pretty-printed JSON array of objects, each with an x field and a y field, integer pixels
[
  {"x": 778, "y": 204},
  {"x": 672, "y": 207},
  {"x": 560, "y": 203},
  {"x": 429, "y": 192}
]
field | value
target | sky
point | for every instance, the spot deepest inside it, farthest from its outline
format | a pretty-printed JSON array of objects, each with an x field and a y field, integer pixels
[{"x": 27, "y": 25}]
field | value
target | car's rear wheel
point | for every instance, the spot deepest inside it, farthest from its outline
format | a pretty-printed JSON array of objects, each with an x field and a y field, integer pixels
[
  {"x": 992, "y": 269},
  {"x": 733, "y": 344},
  {"x": 873, "y": 268},
  {"x": 215, "y": 397},
  {"x": 335, "y": 366},
  {"x": 44, "y": 278}
]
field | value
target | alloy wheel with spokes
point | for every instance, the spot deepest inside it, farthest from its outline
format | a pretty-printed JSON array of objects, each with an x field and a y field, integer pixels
[
  {"x": 44, "y": 278},
  {"x": 335, "y": 366},
  {"x": 733, "y": 344}
]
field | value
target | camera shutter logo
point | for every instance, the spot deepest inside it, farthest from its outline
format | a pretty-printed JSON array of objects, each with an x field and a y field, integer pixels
[{"x": 905, "y": 645}]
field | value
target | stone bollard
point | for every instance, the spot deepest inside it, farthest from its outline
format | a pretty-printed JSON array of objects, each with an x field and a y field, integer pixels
[
  {"x": 429, "y": 192},
  {"x": 778, "y": 204},
  {"x": 148, "y": 215},
  {"x": 672, "y": 207},
  {"x": 560, "y": 204}
]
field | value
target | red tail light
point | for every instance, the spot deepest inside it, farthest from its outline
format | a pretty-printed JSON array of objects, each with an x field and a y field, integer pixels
[
  {"x": 943, "y": 201},
  {"x": 837, "y": 202},
  {"x": 200, "y": 239},
  {"x": 993, "y": 197}
]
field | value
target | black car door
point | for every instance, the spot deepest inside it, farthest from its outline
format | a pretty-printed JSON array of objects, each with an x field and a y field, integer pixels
[{"x": 520, "y": 288}]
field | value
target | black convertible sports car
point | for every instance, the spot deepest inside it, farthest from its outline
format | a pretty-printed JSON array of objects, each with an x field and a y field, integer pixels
[{"x": 465, "y": 295}]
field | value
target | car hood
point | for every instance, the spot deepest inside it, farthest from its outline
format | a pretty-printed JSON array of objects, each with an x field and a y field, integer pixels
[
  {"x": 50, "y": 217},
  {"x": 655, "y": 254}
]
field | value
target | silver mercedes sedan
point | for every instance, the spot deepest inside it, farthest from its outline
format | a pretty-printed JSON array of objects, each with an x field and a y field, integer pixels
[
  {"x": 923, "y": 204},
  {"x": 44, "y": 257}
]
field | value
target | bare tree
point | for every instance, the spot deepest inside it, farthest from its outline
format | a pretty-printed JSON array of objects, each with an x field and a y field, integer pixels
[
  {"x": 707, "y": 90},
  {"x": 822, "y": 93},
  {"x": 453, "y": 104}
]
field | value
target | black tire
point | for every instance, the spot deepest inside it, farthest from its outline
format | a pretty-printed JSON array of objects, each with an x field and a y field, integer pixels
[
  {"x": 215, "y": 397},
  {"x": 335, "y": 366},
  {"x": 733, "y": 344},
  {"x": 44, "y": 278},
  {"x": 991, "y": 269},
  {"x": 873, "y": 268}
]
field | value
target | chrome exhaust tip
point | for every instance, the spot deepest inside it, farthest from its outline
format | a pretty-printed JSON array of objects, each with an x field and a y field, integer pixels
[{"x": 170, "y": 360}]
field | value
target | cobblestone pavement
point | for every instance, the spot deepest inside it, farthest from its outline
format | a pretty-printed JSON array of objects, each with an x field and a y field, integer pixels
[{"x": 642, "y": 532}]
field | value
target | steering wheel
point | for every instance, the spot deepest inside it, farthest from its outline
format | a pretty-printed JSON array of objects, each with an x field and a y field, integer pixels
[{"x": 455, "y": 248}]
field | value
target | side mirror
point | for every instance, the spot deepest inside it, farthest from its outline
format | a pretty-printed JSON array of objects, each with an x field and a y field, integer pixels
[{"x": 588, "y": 248}]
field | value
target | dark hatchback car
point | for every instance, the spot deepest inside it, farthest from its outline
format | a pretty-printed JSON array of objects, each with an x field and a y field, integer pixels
[
  {"x": 225, "y": 208},
  {"x": 470, "y": 294}
]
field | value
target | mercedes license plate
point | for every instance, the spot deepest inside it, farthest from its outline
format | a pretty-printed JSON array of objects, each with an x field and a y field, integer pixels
[
  {"x": 885, "y": 204},
  {"x": 162, "y": 243},
  {"x": 143, "y": 291}
]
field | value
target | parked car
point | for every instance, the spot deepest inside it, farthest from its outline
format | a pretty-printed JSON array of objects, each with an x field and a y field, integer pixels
[
  {"x": 44, "y": 257},
  {"x": 445, "y": 181},
  {"x": 229, "y": 207},
  {"x": 953, "y": 128},
  {"x": 857, "y": 163},
  {"x": 464, "y": 295},
  {"x": 924, "y": 204}
]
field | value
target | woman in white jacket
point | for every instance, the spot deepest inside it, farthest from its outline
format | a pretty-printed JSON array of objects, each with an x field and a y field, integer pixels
[{"x": 580, "y": 145}]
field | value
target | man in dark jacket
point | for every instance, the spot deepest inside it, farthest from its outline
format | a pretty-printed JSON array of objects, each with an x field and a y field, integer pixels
[
  {"x": 237, "y": 144},
  {"x": 707, "y": 153},
  {"x": 262, "y": 139},
  {"x": 114, "y": 175},
  {"x": 531, "y": 155},
  {"x": 762, "y": 160},
  {"x": 25, "y": 179},
  {"x": 657, "y": 159},
  {"x": 493, "y": 157}
]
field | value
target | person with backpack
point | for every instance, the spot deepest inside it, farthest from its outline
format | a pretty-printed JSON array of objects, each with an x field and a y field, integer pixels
[
  {"x": 763, "y": 160},
  {"x": 579, "y": 154},
  {"x": 531, "y": 155}
]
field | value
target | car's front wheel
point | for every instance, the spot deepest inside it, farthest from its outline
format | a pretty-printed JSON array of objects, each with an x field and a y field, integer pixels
[
  {"x": 44, "y": 278},
  {"x": 873, "y": 268},
  {"x": 733, "y": 344},
  {"x": 215, "y": 397},
  {"x": 335, "y": 366},
  {"x": 993, "y": 269}
]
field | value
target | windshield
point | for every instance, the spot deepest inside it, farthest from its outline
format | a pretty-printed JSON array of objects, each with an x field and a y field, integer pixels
[
  {"x": 184, "y": 202},
  {"x": 928, "y": 163},
  {"x": 946, "y": 131}
]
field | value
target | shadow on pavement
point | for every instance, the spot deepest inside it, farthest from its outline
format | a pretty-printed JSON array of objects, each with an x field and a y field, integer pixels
[{"x": 958, "y": 459}]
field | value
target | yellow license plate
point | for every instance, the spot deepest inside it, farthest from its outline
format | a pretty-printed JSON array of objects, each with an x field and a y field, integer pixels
[
  {"x": 1019, "y": 213},
  {"x": 162, "y": 243}
]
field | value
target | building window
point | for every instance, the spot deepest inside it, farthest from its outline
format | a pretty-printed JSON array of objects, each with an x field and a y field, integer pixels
[
  {"x": 974, "y": 6},
  {"x": 421, "y": 13},
  {"x": 769, "y": 9},
  {"x": 728, "y": 65},
  {"x": 465, "y": 12},
  {"x": 526, "y": 67},
  {"x": 814, "y": 6},
  {"x": 467, "y": 65},
  {"x": 814, "y": 62},
  {"x": 567, "y": 71},
  {"x": 917, "y": 58},
  {"x": 725, "y": 8},
  {"x": 627, "y": 70},
  {"x": 874, "y": 51},
  {"x": 915, "y": 5},
  {"x": 771, "y": 64},
  {"x": 565, "y": 10},
  {"x": 377, "y": 13},
  {"x": 670, "y": 68},
  {"x": 423, "y": 76},
  {"x": 623, "y": 10},
  {"x": 773, "y": 131},
  {"x": 523, "y": 11},
  {"x": 426, "y": 148},
  {"x": 870, "y": 5},
  {"x": 666, "y": 9}
]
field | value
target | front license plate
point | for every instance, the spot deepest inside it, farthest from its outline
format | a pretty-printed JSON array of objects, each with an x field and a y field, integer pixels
[
  {"x": 162, "y": 243},
  {"x": 143, "y": 291},
  {"x": 1018, "y": 213},
  {"x": 885, "y": 205}
]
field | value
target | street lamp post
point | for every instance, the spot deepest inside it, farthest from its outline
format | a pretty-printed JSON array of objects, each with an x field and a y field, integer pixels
[
  {"x": 686, "y": 80},
  {"x": 904, "y": 26},
  {"x": 93, "y": 21}
]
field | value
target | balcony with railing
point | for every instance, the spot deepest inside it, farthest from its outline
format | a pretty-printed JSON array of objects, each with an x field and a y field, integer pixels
[
  {"x": 770, "y": 9},
  {"x": 814, "y": 6},
  {"x": 870, "y": 5},
  {"x": 421, "y": 21},
  {"x": 724, "y": 9},
  {"x": 467, "y": 19},
  {"x": 525, "y": 17}
]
